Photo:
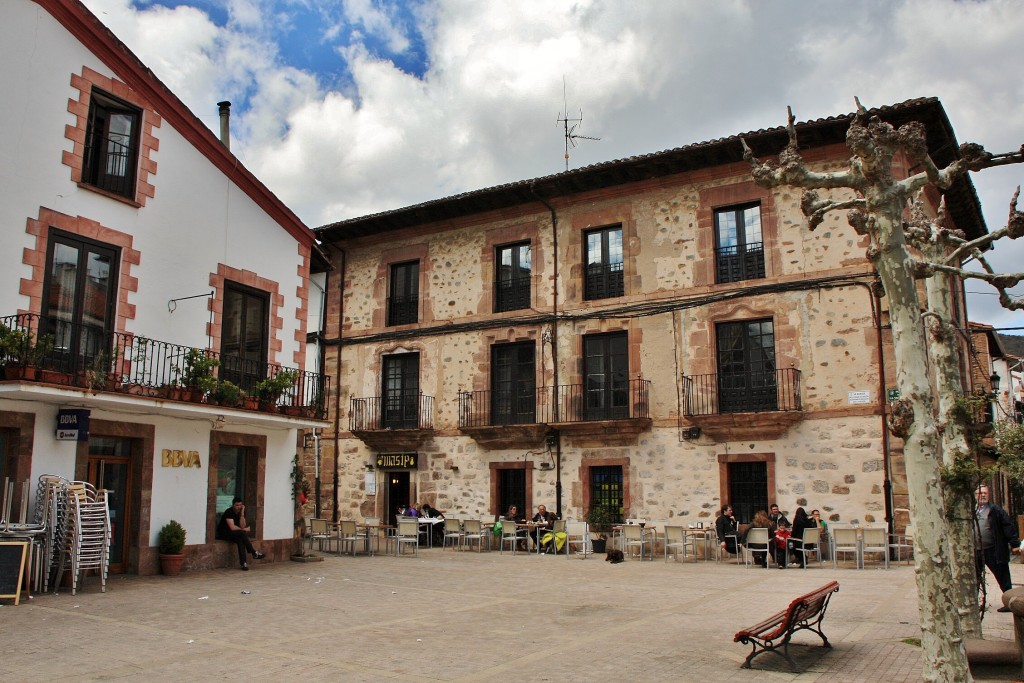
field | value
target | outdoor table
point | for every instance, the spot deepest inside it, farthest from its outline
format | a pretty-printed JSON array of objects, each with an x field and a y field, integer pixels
[{"x": 430, "y": 522}]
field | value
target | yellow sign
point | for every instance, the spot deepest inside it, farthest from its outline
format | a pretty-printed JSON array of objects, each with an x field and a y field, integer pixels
[
  {"x": 180, "y": 458},
  {"x": 396, "y": 461}
]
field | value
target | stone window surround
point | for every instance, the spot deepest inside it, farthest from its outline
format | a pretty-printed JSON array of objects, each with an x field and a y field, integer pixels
[
  {"x": 76, "y": 133},
  {"x": 35, "y": 258},
  {"x": 634, "y": 339},
  {"x": 141, "y": 556},
  {"x": 215, "y": 330},
  {"x": 389, "y": 257},
  {"x": 19, "y": 457},
  {"x": 586, "y": 221},
  {"x": 723, "y": 472},
  {"x": 495, "y": 478},
  {"x": 723, "y": 197},
  {"x": 585, "y": 485},
  {"x": 501, "y": 237},
  {"x": 256, "y": 473}
]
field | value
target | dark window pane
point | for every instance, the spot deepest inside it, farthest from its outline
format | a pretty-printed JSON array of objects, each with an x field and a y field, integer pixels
[
  {"x": 244, "y": 336},
  {"x": 400, "y": 409},
  {"x": 512, "y": 277},
  {"x": 606, "y": 490},
  {"x": 513, "y": 384},
  {"x": 603, "y": 269},
  {"x": 746, "y": 367},
  {"x": 605, "y": 376},
  {"x": 112, "y": 143},
  {"x": 403, "y": 299},
  {"x": 739, "y": 253}
]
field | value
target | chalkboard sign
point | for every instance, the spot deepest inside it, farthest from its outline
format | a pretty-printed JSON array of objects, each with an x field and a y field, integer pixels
[{"x": 12, "y": 568}]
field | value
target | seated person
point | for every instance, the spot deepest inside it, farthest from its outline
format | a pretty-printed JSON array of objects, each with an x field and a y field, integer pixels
[
  {"x": 543, "y": 519},
  {"x": 780, "y": 545},
  {"x": 436, "y": 530},
  {"x": 801, "y": 521},
  {"x": 513, "y": 514},
  {"x": 727, "y": 530},
  {"x": 761, "y": 521},
  {"x": 233, "y": 527}
]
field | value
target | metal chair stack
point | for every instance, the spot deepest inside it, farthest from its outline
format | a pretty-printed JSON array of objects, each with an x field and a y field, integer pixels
[{"x": 85, "y": 534}]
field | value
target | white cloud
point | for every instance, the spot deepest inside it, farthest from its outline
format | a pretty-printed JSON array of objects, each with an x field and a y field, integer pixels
[{"x": 647, "y": 77}]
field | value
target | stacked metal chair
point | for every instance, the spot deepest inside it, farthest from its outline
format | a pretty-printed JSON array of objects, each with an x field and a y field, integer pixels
[{"x": 79, "y": 534}]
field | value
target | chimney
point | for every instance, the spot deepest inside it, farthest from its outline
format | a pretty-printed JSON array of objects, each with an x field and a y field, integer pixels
[{"x": 225, "y": 123}]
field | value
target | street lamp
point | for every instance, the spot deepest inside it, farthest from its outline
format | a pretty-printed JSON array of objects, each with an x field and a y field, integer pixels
[{"x": 994, "y": 381}]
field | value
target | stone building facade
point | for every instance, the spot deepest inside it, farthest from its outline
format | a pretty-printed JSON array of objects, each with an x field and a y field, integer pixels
[{"x": 656, "y": 335}]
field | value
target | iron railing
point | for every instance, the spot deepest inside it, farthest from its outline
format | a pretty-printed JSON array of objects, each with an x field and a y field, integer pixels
[
  {"x": 109, "y": 164},
  {"x": 628, "y": 399},
  {"x": 512, "y": 294},
  {"x": 402, "y": 410},
  {"x": 43, "y": 349},
  {"x": 604, "y": 281},
  {"x": 403, "y": 310},
  {"x": 740, "y": 262},
  {"x": 742, "y": 392}
]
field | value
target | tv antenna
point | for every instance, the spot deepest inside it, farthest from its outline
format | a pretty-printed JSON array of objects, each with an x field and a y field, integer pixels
[{"x": 570, "y": 131}]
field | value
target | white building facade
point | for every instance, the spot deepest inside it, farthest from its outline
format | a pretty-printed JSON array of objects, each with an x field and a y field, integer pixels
[{"x": 146, "y": 276}]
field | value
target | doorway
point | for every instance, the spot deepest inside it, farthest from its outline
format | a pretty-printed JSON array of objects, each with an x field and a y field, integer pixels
[
  {"x": 748, "y": 489},
  {"x": 398, "y": 493},
  {"x": 110, "y": 468}
]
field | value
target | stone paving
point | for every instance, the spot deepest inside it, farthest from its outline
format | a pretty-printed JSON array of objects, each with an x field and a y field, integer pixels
[{"x": 466, "y": 616}]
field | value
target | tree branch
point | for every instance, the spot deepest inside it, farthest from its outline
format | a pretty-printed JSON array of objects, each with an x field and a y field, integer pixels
[
  {"x": 1013, "y": 229},
  {"x": 815, "y": 208}
]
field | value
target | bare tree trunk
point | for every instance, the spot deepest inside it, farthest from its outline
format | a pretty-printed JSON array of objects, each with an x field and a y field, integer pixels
[
  {"x": 942, "y": 642},
  {"x": 949, "y": 387}
]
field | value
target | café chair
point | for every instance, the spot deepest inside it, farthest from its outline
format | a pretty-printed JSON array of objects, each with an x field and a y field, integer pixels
[
  {"x": 875, "y": 541},
  {"x": 577, "y": 534},
  {"x": 473, "y": 530},
  {"x": 407, "y": 533},
  {"x": 558, "y": 530},
  {"x": 347, "y": 535},
  {"x": 452, "y": 532},
  {"x": 677, "y": 539},
  {"x": 320, "y": 531},
  {"x": 810, "y": 544},
  {"x": 844, "y": 542},
  {"x": 633, "y": 537},
  {"x": 903, "y": 542},
  {"x": 511, "y": 534},
  {"x": 757, "y": 541}
]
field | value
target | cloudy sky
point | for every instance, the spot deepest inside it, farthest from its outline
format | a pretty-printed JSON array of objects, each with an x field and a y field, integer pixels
[{"x": 349, "y": 107}]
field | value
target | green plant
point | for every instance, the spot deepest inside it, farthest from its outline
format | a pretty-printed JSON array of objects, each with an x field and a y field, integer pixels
[
  {"x": 227, "y": 393},
  {"x": 171, "y": 539},
  {"x": 197, "y": 371},
  {"x": 602, "y": 517},
  {"x": 17, "y": 346},
  {"x": 269, "y": 390}
]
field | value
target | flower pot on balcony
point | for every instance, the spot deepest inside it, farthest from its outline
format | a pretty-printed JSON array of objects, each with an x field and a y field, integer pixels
[
  {"x": 28, "y": 373},
  {"x": 54, "y": 377}
]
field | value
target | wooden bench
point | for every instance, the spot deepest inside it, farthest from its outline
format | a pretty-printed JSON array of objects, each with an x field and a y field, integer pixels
[{"x": 775, "y": 632}]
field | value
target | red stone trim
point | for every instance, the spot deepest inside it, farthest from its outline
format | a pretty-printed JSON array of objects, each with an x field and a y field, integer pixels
[
  {"x": 148, "y": 143},
  {"x": 35, "y": 258},
  {"x": 302, "y": 293},
  {"x": 714, "y": 198},
  {"x": 584, "y": 474},
  {"x": 215, "y": 330},
  {"x": 257, "y": 478},
  {"x": 382, "y": 284},
  {"x": 621, "y": 214},
  {"x": 496, "y": 478},
  {"x": 723, "y": 472}
]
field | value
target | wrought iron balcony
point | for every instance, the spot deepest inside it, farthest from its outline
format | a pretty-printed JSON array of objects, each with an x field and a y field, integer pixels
[
  {"x": 744, "y": 392},
  {"x": 401, "y": 410},
  {"x": 740, "y": 262},
  {"x": 604, "y": 281},
  {"x": 47, "y": 350},
  {"x": 574, "y": 403}
]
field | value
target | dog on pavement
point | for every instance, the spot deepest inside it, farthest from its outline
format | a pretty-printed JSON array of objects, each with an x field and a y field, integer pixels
[{"x": 614, "y": 556}]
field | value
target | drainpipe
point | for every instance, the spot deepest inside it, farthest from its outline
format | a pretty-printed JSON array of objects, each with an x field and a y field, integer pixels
[
  {"x": 321, "y": 329},
  {"x": 225, "y": 123},
  {"x": 554, "y": 352},
  {"x": 876, "y": 304}
]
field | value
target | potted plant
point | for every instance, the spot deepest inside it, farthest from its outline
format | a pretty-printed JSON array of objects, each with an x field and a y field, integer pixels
[
  {"x": 269, "y": 390},
  {"x": 196, "y": 375},
  {"x": 601, "y": 519},
  {"x": 226, "y": 393},
  {"x": 21, "y": 354},
  {"x": 171, "y": 542}
]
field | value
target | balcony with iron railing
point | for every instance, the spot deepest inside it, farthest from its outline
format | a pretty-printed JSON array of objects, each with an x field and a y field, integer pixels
[
  {"x": 743, "y": 404},
  {"x": 512, "y": 294},
  {"x": 495, "y": 416},
  {"x": 395, "y": 421},
  {"x": 740, "y": 262},
  {"x": 43, "y": 350}
]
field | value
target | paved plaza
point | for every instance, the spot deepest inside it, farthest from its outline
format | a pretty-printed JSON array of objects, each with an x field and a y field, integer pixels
[{"x": 464, "y": 616}]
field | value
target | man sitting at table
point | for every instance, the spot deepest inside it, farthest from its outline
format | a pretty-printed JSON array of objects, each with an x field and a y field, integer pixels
[{"x": 543, "y": 519}]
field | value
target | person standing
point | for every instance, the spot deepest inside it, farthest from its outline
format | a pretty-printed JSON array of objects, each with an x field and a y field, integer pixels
[
  {"x": 233, "y": 527},
  {"x": 727, "y": 530},
  {"x": 995, "y": 536}
]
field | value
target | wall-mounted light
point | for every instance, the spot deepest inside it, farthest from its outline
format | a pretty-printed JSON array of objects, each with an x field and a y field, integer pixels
[
  {"x": 369, "y": 467},
  {"x": 308, "y": 440},
  {"x": 994, "y": 381},
  {"x": 691, "y": 433}
]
